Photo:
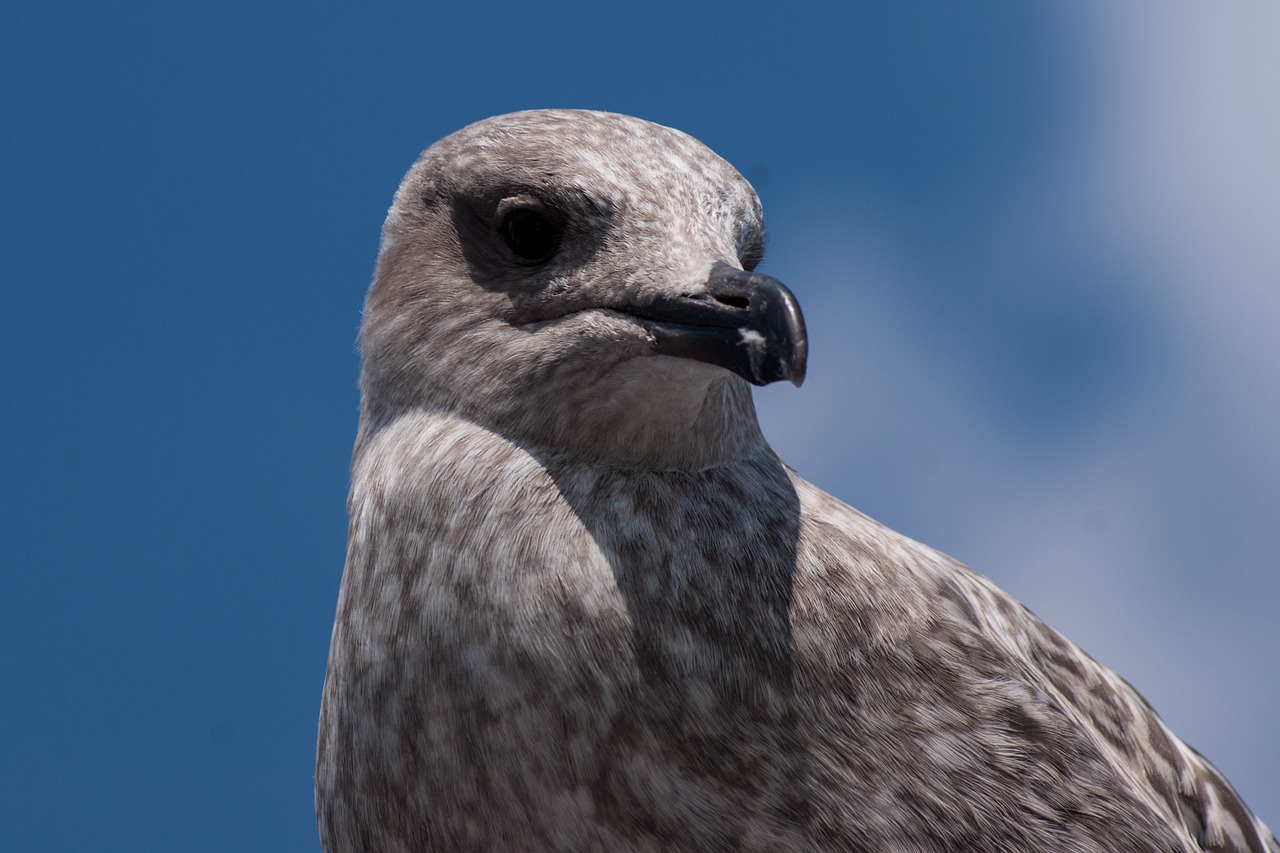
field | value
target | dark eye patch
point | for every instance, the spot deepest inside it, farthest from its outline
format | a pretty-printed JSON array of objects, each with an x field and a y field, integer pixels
[{"x": 529, "y": 234}]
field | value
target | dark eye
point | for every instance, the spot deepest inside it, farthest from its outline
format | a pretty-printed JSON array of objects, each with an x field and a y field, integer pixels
[{"x": 529, "y": 234}]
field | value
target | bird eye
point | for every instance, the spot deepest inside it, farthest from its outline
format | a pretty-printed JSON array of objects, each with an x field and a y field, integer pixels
[{"x": 529, "y": 234}]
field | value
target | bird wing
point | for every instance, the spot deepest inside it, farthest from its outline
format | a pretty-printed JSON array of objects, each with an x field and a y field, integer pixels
[
  {"x": 936, "y": 674},
  {"x": 1122, "y": 723}
]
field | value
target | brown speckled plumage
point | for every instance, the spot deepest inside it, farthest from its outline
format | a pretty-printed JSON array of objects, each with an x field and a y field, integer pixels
[{"x": 587, "y": 608}]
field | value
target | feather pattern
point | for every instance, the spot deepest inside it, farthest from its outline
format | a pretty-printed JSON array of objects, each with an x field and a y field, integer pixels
[{"x": 586, "y": 607}]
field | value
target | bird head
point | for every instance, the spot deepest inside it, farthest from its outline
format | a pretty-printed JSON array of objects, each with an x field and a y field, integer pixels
[{"x": 581, "y": 282}]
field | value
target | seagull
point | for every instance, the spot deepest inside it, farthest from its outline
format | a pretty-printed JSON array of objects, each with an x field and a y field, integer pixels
[{"x": 586, "y": 607}]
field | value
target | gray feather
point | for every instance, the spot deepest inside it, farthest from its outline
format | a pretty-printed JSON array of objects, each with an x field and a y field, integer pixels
[{"x": 586, "y": 607}]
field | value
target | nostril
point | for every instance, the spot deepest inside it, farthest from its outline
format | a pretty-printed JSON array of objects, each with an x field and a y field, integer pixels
[{"x": 733, "y": 301}]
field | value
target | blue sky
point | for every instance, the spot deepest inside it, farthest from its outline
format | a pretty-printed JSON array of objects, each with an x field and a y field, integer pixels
[{"x": 1036, "y": 245}]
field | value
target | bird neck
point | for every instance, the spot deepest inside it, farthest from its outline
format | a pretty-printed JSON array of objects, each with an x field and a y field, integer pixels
[
  {"x": 671, "y": 416},
  {"x": 650, "y": 414}
]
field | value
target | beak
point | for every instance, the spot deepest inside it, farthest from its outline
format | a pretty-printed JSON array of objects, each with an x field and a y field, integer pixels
[{"x": 745, "y": 322}]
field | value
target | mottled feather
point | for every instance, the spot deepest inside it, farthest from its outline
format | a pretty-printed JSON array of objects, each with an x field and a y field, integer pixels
[{"x": 586, "y": 607}]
